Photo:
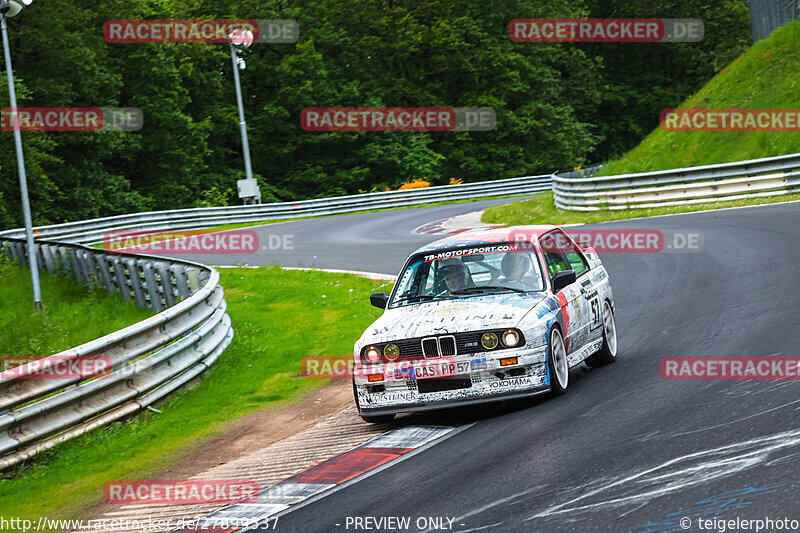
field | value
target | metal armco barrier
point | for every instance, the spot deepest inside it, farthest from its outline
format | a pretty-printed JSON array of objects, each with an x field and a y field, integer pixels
[
  {"x": 93, "y": 231},
  {"x": 770, "y": 176},
  {"x": 148, "y": 360}
]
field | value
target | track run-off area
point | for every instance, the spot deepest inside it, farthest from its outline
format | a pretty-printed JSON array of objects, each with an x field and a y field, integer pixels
[{"x": 624, "y": 449}]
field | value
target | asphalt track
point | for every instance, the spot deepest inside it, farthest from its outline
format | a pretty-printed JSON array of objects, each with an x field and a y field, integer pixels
[{"x": 624, "y": 449}]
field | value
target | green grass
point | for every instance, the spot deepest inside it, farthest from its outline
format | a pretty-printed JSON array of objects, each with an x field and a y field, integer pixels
[
  {"x": 279, "y": 317},
  {"x": 71, "y": 314},
  {"x": 765, "y": 76},
  {"x": 541, "y": 210}
]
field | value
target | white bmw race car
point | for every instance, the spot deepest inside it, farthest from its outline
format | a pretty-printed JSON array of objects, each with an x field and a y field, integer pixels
[{"x": 484, "y": 316}]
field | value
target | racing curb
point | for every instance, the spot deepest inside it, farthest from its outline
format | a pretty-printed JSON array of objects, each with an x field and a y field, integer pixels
[{"x": 324, "y": 478}]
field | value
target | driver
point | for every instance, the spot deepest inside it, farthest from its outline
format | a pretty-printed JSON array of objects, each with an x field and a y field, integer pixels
[
  {"x": 515, "y": 267},
  {"x": 456, "y": 275}
]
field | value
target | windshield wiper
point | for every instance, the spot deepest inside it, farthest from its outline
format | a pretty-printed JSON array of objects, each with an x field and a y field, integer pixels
[
  {"x": 417, "y": 298},
  {"x": 468, "y": 290}
]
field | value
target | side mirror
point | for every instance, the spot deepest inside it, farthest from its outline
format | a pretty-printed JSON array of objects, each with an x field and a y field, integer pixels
[
  {"x": 562, "y": 279},
  {"x": 380, "y": 299}
]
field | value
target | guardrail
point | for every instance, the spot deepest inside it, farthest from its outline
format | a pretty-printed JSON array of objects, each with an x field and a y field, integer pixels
[
  {"x": 93, "y": 231},
  {"x": 148, "y": 360},
  {"x": 770, "y": 176}
]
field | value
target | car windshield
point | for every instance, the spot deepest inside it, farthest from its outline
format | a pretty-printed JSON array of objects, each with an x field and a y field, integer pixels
[{"x": 468, "y": 272}]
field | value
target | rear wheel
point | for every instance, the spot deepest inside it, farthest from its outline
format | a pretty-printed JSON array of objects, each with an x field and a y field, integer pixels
[
  {"x": 370, "y": 419},
  {"x": 608, "y": 351},
  {"x": 557, "y": 363}
]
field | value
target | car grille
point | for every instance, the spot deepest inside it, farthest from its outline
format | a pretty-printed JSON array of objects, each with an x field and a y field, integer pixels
[
  {"x": 447, "y": 345},
  {"x": 429, "y": 347}
]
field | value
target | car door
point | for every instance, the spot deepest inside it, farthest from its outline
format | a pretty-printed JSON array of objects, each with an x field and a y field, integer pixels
[
  {"x": 570, "y": 299},
  {"x": 590, "y": 300}
]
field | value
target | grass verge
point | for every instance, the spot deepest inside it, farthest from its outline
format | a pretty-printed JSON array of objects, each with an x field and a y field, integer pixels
[
  {"x": 279, "y": 317},
  {"x": 71, "y": 314},
  {"x": 541, "y": 210}
]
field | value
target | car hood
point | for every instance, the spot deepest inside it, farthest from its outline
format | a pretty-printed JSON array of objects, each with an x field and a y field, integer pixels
[{"x": 450, "y": 316}]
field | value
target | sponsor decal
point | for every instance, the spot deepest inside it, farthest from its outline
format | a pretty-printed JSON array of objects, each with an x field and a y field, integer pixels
[
  {"x": 509, "y": 383},
  {"x": 478, "y": 364},
  {"x": 500, "y": 248}
]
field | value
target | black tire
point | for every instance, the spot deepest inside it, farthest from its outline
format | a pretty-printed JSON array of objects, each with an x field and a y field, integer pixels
[
  {"x": 557, "y": 363},
  {"x": 607, "y": 353},
  {"x": 370, "y": 419}
]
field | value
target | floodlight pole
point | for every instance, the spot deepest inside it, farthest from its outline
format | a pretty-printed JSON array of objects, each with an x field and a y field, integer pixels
[
  {"x": 248, "y": 169},
  {"x": 23, "y": 180}
]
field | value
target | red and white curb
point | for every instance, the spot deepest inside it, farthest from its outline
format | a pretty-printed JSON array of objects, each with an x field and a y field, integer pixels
[
  {"x": 326, "y": 477},
  {"x": 454, "y": 225}
]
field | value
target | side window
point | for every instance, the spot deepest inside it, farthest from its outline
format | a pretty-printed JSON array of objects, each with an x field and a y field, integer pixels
[
  {"x": 577, "y": 263},
  {"x": 552, "y": 256},
  {"x": 555, "y": 263}
]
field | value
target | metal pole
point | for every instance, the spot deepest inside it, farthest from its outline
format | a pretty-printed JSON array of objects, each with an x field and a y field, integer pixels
[
  {"x": 248, "y": 170},
  {"x": 23, "y": 179}
]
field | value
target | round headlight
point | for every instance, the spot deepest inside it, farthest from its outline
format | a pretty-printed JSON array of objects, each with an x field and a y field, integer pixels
[
  {"x": 391, "y": 352},
  {"x": 373, "y": 354},
  {"x": 510, "y": 338},
  {"x": 489, "y": 340}
]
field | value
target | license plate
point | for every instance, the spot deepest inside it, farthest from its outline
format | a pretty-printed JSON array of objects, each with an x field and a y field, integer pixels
[{"x": 441, "y": 369}]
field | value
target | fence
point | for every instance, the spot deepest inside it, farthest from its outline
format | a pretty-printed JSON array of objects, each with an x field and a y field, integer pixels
[
  {"x": 93, "y": 231},
  {"x": 712, "y": 183},
  {"x": 148, "y": 360}
]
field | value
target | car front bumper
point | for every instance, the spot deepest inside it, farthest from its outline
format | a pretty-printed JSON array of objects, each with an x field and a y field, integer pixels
[{"x": 487, "y": 381}]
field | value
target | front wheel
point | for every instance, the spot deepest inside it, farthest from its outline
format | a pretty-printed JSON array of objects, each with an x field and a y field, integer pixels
[
  {"x": 608, "y": 351},
  {"x": 370, "y": 419},
  {"x": 557, "y": 364}
]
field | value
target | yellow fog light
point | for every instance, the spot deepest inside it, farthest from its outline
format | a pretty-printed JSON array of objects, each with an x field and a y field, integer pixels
[
  {"x": 391, "y": 352},
  {"x": 489, "y": 340}
]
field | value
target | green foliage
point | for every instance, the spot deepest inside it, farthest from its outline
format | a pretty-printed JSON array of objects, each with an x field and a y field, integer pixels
[
  {"x": 71, "y": 315},
  {"x": 764, "y": 77},
  {"x": 557, "y": 105}
]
